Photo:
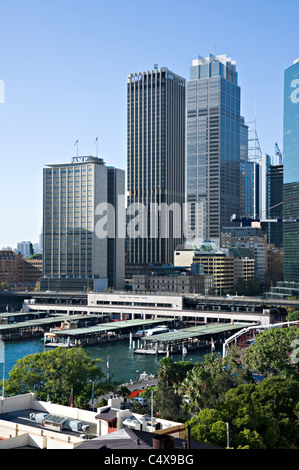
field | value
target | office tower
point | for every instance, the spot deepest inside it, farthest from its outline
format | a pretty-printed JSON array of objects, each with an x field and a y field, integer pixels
[
  {"x": 25, "y": 248},
  {"x": 263, "y": 184},
  {"x": 156, "y": 164},
  {"x": 75, "y": 245},
  {"x": 247, "y": 175},
  {"x": 116, "y": 244},
  {"x": 291, "y": 172},
  {"x": 275, "y": 230},
  {"x": 213, "y": 145}
]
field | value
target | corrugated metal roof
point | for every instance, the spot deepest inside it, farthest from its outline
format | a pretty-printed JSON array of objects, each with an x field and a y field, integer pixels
[
  {"x": 110, "y": 327},
  {"x": 195, "y": 331}
]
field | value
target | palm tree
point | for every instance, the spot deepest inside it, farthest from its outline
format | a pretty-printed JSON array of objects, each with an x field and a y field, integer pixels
[{"x": 124, "y": 392}]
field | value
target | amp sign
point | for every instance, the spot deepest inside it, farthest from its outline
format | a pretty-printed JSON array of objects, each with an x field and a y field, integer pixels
[{"x": 80, "y": 159}]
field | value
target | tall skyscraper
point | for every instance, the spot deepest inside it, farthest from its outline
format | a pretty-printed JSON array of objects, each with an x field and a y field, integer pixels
[
  {"x": 247, "y": 176},
  {"x": 156, "y": 164},
  {"x": 291, "y": 172},
  {"x": 275, "y": 230},
  {"x": 76, "y": 250},
  {"x": 213, "y": 145}
]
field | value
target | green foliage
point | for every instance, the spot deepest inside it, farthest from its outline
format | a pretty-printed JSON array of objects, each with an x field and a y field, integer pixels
[
  {"x": 173, "y": 372},
  {"x": 208, "y": 382},
  {"x": 260, "y": 416},
  {"x": 209, "y": 427},
  {"x": 249, "y": 287},
  {"x": 4, "y": 286},
  {"x": 102, "y": 402},
  {"x": 271, "y": 353},
  {"x": 53, "y": 374},
  {"x": 170, "y": 404},
  {"x": 36, "y": 256},
  {"x": 293, "y": 316},
  {"x": 124, "y": 392}
]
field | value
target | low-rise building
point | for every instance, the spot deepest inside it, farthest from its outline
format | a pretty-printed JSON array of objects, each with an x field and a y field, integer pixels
[
  {"x": 174, "y": 279},
  {"x": 26, "y": 422},
  {"x": 18, "y": 272}
]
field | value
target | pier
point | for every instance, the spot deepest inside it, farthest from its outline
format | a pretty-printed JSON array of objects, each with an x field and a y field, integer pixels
[
  {"x": 80, "y": 337},
  {"x": 37, "y": 327},
  {"x": 189, "y": 338}
]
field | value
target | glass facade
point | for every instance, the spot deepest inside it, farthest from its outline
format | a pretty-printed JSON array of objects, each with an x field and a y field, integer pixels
[
  {"x": 291, "y": 172},
  {"x": 156, "y": 158},
  {"x": 213, "y": 146}
]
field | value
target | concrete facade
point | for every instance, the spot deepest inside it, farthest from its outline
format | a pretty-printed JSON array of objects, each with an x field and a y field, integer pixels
[{"x": 75, "y": 250}]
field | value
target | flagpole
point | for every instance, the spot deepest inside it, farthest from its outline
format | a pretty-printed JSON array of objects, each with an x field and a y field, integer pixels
[
  {"x": 76, "y": 143},
  {"x": 97, "y": 141}
]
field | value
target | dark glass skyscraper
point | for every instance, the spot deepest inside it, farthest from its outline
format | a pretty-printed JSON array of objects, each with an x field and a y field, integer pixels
[
  {"x": 156, "y": 161},
  {"x": 213, "y": 145},
  {"x": 291, "y": 172},
  {"x": 275, "y": 230}
]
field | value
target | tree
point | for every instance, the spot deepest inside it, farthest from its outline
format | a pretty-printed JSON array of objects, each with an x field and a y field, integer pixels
[
  {"x": 54, "y": 374},
  {"x": 209, "y": 427},
  {"x": 4, "y": 286},
  {"x": 271, "y": 353},
  {"x": 208, "y": 382},
  {"x": 170, "y": 404},
  {"x": 293, "y": 316},
  {"x": 36, "y": 256},
  {"x": 173, "y": 372},
  {"x": 124, "y": 392},
  {"x": 37, "y": 286},
  {"x": 249, "y": 287},
  {"x": 269, "y": 408},
  {"x": 260, "y": 416}
]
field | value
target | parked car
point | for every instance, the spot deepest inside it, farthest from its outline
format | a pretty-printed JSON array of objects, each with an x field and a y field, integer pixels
[{"x": 140, "y": 400}]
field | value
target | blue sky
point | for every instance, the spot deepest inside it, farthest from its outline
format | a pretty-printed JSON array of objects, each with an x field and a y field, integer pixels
[{"x": 65, "y": 63}]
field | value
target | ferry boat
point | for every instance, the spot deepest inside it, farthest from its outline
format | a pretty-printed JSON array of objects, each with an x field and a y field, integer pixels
[{"x": 157, "y": 330}]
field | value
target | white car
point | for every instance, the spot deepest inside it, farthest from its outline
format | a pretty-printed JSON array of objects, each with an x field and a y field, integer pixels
[{"x": 141, "y": 401}]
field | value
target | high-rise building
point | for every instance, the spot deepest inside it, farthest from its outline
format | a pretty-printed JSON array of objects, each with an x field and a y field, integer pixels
[
  {"x": 291, "y": 172},
  {"x": 25, "y": 248},
  {"x": 156, "y": 165},
  {"x": 275, "y": 230},
  {"x": 213, "y": 145},
  {"x": 247, "y": 175},
  {"x": 263, "y": 185},
  {"x": 76, "y": 248}
]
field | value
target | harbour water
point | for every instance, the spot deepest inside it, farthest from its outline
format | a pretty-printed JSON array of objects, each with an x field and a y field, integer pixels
[{"x": 124, "y": 364}]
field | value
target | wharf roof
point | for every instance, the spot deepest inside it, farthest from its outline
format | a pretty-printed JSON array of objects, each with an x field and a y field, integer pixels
[
  {"x": 44, "y": 321},
  {"x": 103, "y": 327},
  {"x": 195, "y": 331}
]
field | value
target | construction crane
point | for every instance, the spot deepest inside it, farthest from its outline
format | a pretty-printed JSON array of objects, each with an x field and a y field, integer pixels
[{"x": 278, "y": 152}]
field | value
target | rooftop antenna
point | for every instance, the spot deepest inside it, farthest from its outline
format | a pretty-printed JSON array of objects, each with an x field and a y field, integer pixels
[
  {"x": 97, "y": 142},
  {"x": 254, "y": 148},
  {"x": 76, "y": 143}
]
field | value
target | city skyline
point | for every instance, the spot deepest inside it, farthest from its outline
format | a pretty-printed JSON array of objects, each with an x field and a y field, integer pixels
[{"x": 63, "y": 72}]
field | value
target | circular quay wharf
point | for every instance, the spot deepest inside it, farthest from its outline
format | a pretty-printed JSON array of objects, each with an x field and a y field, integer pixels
[
  {"x": 188, "y": 339},
  {"x": 77, "y": 319}
]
